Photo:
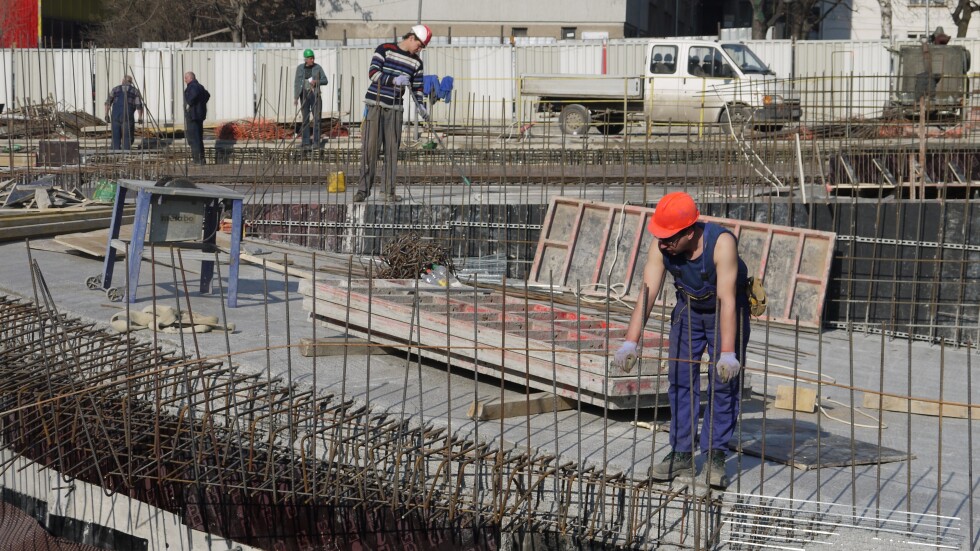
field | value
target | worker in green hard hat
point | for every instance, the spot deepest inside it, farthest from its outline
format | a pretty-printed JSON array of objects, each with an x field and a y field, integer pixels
[{"x": 306, "y": 95}]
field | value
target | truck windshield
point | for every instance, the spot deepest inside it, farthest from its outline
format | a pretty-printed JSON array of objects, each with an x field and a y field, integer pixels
[{"x": 746, "y": 59}]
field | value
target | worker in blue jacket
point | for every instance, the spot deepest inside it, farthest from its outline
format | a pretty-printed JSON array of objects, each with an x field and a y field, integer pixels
[{"x": 121, "y": 108}]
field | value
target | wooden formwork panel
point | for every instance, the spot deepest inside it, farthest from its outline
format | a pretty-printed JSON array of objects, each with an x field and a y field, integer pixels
[
  {"x": 550, "y": 348},
  {"x": 602, "y": 247}
]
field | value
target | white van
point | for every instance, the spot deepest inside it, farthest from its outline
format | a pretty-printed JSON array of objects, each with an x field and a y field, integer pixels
[{"x": 684, "y": 81}]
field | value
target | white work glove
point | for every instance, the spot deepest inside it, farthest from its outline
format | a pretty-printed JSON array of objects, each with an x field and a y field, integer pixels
[
  {"x": 423, "y": 112},
  {"x": 728, "y": 366},
  {"x": 402, "y": 80},
  {"x": 625, "y": 356}
]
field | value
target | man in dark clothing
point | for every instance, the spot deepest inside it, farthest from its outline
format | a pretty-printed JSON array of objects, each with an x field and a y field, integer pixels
[
  {"x": 394, "y": 67},
  {"x": 306, "y": 94},
  {"x": 195, "y": 111},
  {"x": 123, "y": 102}
]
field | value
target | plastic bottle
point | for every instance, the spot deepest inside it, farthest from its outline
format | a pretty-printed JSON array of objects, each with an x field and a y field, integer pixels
[
  {"x": 440, "y": 274},
  {"x": 430, "y": 277}
]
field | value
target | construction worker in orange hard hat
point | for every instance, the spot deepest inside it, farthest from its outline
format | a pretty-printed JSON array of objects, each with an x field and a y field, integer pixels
[{"x": 712, "y": 312}]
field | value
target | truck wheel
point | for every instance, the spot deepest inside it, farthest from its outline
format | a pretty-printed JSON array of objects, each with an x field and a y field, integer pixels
[
  {"x": 611, "y": 124},
  {"x": 739, "y": 115},
  {"x": 574, "y": 120}
]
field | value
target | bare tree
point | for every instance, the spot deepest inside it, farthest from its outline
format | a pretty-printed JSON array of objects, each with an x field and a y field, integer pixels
[
  {"x": 962, "y": 15},
  {"x": 131, "y": 22},
  {"x": 799, "y": 16},
  {"x": 886, "y": 18},
  {"x": 759, "y": 20}
]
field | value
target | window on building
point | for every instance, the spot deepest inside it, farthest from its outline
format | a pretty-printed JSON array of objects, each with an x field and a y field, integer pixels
[
  {"x": 568, "y": 33},
  {"x": 518, "y": 32}
]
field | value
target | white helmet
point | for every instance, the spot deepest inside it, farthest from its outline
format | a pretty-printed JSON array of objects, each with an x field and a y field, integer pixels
[{"x": 423, "y": 32}]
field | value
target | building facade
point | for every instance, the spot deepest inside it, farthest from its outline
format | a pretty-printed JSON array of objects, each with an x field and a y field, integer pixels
[
  {"x": 911, "y": 19},
  {"x": 506, "y": 20}
]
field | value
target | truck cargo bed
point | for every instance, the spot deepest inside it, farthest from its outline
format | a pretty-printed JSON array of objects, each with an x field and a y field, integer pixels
[{"x": 583, "y": 86}]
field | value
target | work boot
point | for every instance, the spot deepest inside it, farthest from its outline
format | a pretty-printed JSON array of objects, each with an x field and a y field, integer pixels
[
  {"x": 716, "y": 466},
  {"x": 674, "y": 465},
  {"x": 360, "y": 196},
  {"x": 393, "y": 198}
]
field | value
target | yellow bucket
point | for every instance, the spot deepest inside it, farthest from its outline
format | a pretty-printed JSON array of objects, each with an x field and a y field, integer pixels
[{"x": 336, "y": 182}]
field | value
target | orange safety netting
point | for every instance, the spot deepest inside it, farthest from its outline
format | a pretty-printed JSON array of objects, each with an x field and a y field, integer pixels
[{"x": 251, "y": 129}]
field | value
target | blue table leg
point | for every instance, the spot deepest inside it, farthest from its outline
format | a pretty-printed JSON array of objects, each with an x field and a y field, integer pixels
[
  {"x": 210, "y": 227},
  {"x": 110, "y": 251},
  {"x": 136, "y": 244},
  {"x": 236, "y": 248}
]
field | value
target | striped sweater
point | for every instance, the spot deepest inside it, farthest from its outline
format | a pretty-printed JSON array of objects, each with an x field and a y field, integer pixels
[{"x": 388, "y": 62}]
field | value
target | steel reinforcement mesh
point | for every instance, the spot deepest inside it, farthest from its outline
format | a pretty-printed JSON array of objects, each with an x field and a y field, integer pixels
[{"x": 281, "y": 467}]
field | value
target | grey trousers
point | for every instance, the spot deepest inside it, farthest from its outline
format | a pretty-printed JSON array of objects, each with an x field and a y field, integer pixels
[{"x": 381, "y": 130}]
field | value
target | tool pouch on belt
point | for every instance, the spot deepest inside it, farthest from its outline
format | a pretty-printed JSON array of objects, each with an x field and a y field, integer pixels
[{"x": 757, "y": 296}]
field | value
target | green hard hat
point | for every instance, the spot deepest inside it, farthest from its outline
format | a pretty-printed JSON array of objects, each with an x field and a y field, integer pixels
[{"x": 307, "y": 53}]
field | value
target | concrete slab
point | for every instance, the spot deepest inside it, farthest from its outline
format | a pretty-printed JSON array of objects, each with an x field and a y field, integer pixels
[{"x": 937, "y": 484}]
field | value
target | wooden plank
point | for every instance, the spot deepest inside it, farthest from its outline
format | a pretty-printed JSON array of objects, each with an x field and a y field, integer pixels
[
  {"x": 337, "y": 346},
  {"x": 504, "y": 338},
  {"x": 94, "y": 243},
  {"x": 533, "y": 404},
  {"x": 919, "y": 407},
  {"x": 18, "y": 160},
  {"x": 275, "y": 266},
  {"x": 805, "y": 400},
  {"x": 41, "y": 199},
  {"x": 30, "y": 230},
  {"x": 20, "y": 217}
]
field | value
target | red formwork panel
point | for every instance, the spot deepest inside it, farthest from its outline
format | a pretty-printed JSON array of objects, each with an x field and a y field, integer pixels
[
  {"x": 552, "y": 349},
  {"x": 601, "y": 248}
]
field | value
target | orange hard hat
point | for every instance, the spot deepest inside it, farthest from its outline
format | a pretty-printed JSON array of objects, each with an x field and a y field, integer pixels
[{"x": 675, "y": 212}]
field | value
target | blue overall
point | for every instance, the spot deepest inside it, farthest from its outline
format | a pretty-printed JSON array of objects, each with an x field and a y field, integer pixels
[
  {"x": 125, "y": 101},
  {"x": 693, "y": 328}
]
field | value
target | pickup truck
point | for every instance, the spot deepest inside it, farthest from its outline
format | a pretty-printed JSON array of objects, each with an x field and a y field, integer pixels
[{"x": 684, "y": 81}]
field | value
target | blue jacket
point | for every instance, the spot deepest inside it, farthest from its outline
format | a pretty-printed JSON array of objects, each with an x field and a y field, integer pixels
[{"x": 196, "y": 101}]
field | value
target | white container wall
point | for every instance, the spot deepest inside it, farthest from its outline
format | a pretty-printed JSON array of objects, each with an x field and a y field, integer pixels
[
  {"x": 483, "y": 82},
  {"x": 7, "y": 83},
  {"x": 843, "y": 79},
  {"x": 836, "y": 79}
]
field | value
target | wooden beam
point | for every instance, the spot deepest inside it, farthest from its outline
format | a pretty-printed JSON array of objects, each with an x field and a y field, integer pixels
[
  {"x": 805, "y": 400},
  {"x": 276, "y": 267},
  {"x": 543, "y": 402},
  {"x": 919, "y": 407},
  {"x": 337, "y": 346}
]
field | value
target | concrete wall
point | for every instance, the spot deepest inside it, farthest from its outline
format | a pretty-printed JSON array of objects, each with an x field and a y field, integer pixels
[{"x": 162, "y": 530}]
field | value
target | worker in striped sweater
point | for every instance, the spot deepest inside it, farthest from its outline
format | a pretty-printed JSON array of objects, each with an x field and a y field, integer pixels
[{"x": 395, "y": 66}]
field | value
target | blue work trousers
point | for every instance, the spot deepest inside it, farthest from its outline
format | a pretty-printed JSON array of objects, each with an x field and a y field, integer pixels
[
  {"x": 312, "y": 107},
  {"x": 122, "y": 133},
  {"x": 690, "y": 333}
]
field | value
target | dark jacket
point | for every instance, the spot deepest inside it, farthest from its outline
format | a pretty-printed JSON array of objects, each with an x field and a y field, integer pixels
[
  {"x": 196, "y": 101},
  {"x": 302, "y": 73}
]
